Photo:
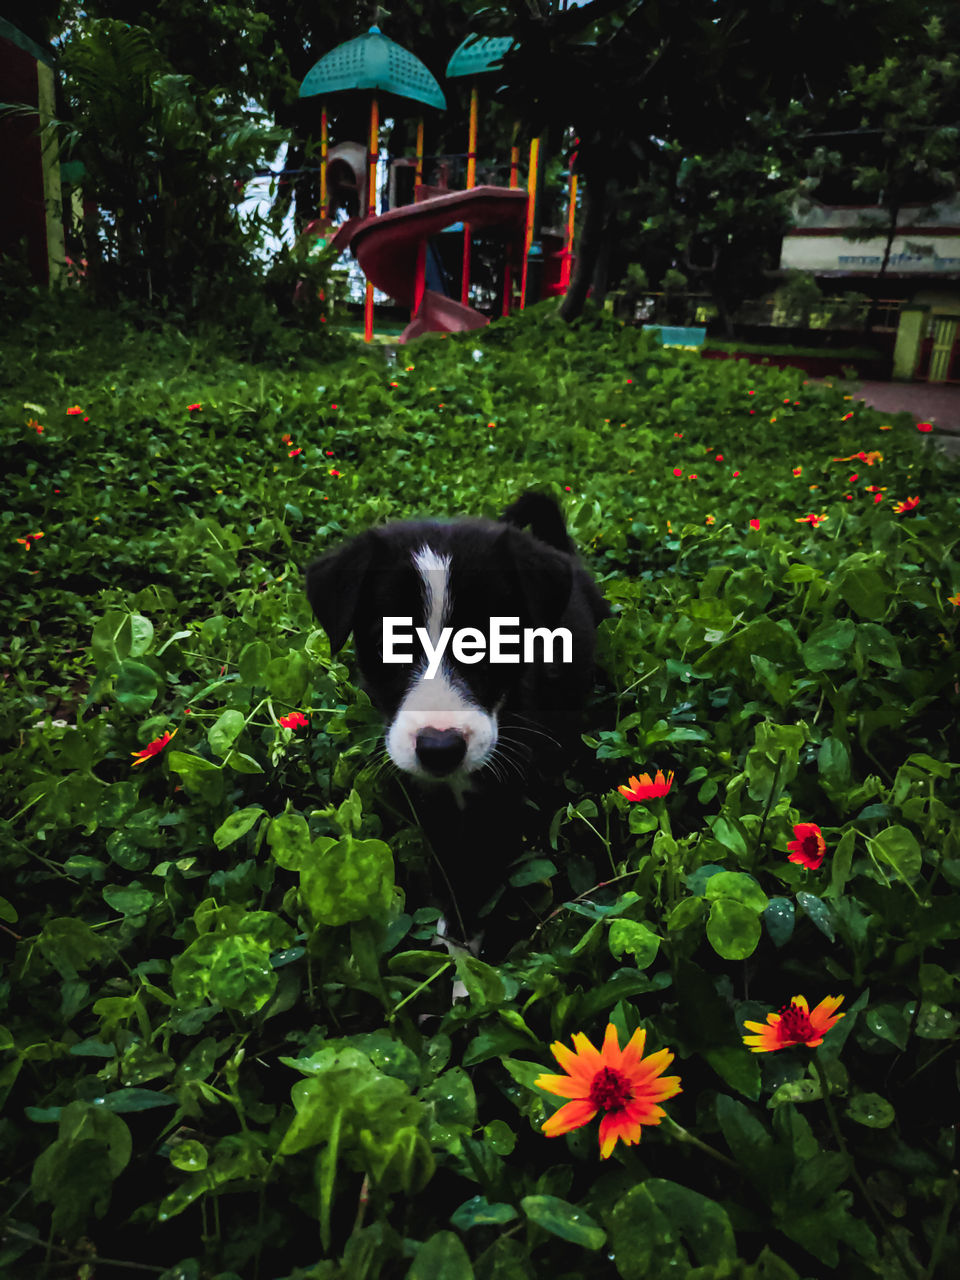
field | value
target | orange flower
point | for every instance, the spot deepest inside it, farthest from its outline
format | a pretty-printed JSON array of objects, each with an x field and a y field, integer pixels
[
  {"x": 794, "y": 1024},
  {"x": 152, "y": 749},
  {"x": 812, "y": 518},
  {"x": 808, "y": 847},
  {"x": 797, "y": 471},
  {"x": 295, "y": 720},
  {"x": 954, "y": 599},
  {"x": 907, "y": 504},
  {"x": 643, "y": 788},
  {"x": 869, "y": 458},
  {"x": 620, "y": 1082},
  {"x": 74, "y": 411}
]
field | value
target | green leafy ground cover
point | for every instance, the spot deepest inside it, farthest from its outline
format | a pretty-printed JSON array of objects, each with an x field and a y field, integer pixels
[{"x": 229, "y": 1046}]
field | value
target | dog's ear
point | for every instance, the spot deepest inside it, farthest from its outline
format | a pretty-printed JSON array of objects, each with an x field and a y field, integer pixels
[
  {"x": 541, "y": 576},
  {"x": 334, "y": 584}
]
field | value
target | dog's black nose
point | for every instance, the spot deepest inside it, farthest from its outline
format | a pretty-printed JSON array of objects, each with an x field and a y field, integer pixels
[{"x": 440, "y": 750}]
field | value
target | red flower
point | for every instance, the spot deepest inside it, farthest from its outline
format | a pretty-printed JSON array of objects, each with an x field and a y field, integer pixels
[
  {"x": 678, "y": 471},
  {"x": 921, "y": 426},
  {"x": 294, "y": 452},
  {"x": 74, "y": 411},
  {"x": 151, "y": 749},
  {"x": 334, "y": 471},
  {"x": 194, "y": 408},
  {"x": 643, "y": 788},
  {"x": 754, "y": 524},
  {"x": 796, "y": 1023},
  {"x": 295, "y": 720},
  {"x": 808, "y": 847},
  {"x": 907, "y": 504}
]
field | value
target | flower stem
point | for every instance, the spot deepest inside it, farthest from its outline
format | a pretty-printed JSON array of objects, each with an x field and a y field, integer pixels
[
  {"x": 685, "y": 1135},
  {"x": 851, "y": 1165}
]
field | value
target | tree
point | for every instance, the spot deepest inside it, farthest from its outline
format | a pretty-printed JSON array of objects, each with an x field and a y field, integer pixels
[
  {"x": 165, "y": 160},
  {"x": 911, "y": 107},
  {"x": 698, "y": 74}
]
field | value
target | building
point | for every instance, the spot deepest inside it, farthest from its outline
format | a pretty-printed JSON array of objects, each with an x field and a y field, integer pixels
[
  {"x": 922, "y": 272},
  {"x": 31, "y": 209}
]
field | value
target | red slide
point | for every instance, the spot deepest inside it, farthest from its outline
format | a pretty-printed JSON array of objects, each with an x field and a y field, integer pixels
[{"x": 388, "y": 248}]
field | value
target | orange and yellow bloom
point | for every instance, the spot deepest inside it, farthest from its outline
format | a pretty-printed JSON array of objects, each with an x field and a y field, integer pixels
[
  {"x": 645, "y": 788},
  {"x": 796, "y": 1023},
  {"x": 808, "y": 846},
  {"x": 151, "y": 749},
  {"x": 907, "y": 504},
  {"x": 620, "y": 1082}
]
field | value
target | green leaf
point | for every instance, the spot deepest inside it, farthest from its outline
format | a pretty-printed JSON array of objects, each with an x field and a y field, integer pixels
[
  {"x": 898, "y": 848},
  {"x": 137, "y": 686},
  {"x": 739, "y": 886},
  {"x": 778, "y": 916},
  {"x": 733, "y": 930},
  {"x": 350, "y": 880},
  {"x": 568, "y": 1221},
  {"x": 479, "y": 1212},
  {"x": 442, "y": 1257},
  {"x": 819, "y": 912},
  {"x": 225, "y": 730},
  {"x": 289, "y": 840},
  {"x": 871, "y": 1110},
  {"x": 829, "y": 645},
  {"x": 237, "y": 825},
  {"x": 131, "y": 900},
  {"x": 633, "y": 937}
]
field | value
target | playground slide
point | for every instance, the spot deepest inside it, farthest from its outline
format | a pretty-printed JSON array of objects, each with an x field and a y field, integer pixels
[{"x": 387, "y": 246}]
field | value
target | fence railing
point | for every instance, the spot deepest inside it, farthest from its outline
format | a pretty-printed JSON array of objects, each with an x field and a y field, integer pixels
[{"x": 836, "y": 313}]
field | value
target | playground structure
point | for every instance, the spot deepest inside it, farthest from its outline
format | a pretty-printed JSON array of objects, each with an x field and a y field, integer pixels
[{"x": 393, "y": 248}]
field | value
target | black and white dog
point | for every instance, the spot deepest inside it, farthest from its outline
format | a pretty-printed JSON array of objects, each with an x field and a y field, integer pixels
[{"x": 475, "y": 641}]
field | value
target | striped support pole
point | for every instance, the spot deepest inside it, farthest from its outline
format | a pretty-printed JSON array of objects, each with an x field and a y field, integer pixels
[
  {"x": 471, "y": 183},
  {"x": 373, "y": 155},
  {"x": 507, "y": 270},
  {"x": 323, "y": 160},
  {"x": 571, "y": 216},
  {"x": 531, "y": 202}
]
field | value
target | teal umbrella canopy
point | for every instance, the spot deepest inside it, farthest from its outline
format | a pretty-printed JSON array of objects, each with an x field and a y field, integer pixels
[
  {"x": 478, "y": 54},
  {"x": 372, "y": 61}
]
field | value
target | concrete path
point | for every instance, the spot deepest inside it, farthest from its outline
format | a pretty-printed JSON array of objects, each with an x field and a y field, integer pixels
[{"x": 926, "y": 401}]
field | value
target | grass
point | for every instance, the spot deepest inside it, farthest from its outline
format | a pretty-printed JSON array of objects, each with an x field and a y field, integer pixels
[{"x": 229, "y": 1046}]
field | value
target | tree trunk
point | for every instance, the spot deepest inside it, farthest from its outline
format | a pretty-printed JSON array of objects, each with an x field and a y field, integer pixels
[
  {"x": 871, "y": 317},
  {"x": 595, "y": 203}
]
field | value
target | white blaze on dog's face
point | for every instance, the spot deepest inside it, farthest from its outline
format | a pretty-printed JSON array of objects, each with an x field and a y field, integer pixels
[{"x": 439, "y": 732}]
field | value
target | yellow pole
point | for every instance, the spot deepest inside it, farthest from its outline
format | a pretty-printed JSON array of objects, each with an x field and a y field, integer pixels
[
  {"x": 531, "y": 201},
  {"x": 373, "y": 155},
  {"x": 471, "y": 183},
  {"x": 323, "y": 160},
  {"x": 571, "y": 214},
  {"x": 418, "y": 176}
]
